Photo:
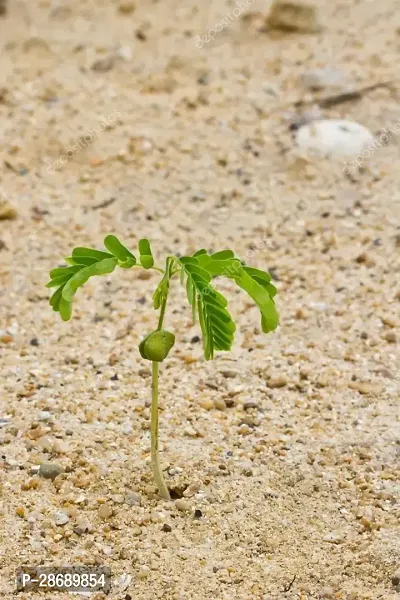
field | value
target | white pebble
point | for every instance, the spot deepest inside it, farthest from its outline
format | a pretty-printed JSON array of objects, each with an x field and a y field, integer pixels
[{"x": 333, "y": 138}]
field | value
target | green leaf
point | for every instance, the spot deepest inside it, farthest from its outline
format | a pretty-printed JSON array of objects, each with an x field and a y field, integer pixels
[
  {"x": 215, "y": 321},
  {"x": 222, "y": 255},
  {"x": 55, "y": 299},
  {"x": 97, "y": 254},
  {"x": 113, "y": 245},
  {"x": 99, "y": 268},
  {"x": 58, "y": 281},
  {"x": 146, "y": 256},
  {"x": 81, "y": 260},
  {"x": 65, "y": 309},
  {"x": 54, "y": 273}
]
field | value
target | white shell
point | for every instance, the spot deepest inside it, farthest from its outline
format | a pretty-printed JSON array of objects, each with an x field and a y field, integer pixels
[{"x": 333, "y": 138}]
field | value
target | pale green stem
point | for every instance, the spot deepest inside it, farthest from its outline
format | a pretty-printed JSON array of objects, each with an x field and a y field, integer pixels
[{"x": 155, "y": 460}]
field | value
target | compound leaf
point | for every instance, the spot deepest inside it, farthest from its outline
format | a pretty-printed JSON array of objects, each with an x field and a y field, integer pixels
[{"x": 253, "y": 281}]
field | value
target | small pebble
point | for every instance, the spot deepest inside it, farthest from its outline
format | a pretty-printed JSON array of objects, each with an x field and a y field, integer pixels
[
  {"x": 133, "y": 499},
  {"x": 206, "y": 403},
  {"x": 7, "y": 211},
  {"x": 333, "y": 538},
  {"x": 327, "y": 592},
  {"x": 327, "y": 77},
  {"x": 390, "y": 337},
  {"x": 45, "y": 415},
  {"x": 126, "y": 7},
  {"x": 220, "y": 404},
  {"x": 396, "y": 578},
  {"x": 167, "y": 528},
  {"x": 60, "y": 518},
  {"x": 229, "y": 373},
  {"x": 50, "y": 470},
  {"x": 105, "y": 511},
  {"x": 182, "y": 505},
  {"x": 277, "y": 382},
  {"x": 287, "y": 15}
]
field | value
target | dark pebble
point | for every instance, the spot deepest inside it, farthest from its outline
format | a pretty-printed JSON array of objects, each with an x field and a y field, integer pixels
[{"x": 167, "y": 528}]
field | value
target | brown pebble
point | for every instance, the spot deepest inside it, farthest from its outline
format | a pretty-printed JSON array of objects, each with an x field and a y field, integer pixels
[
  {"x": 113, "y": 359},
  {"x": 277, "y": 382},
  {"x": 299, "y": 16},
  {"x": 7, "y": 211},
  {"x": 126, "y": 7},
  {"x": 6, "y": 338},
  {"x": 390, "y": 337},
  {"x": 396, "y": 578}
]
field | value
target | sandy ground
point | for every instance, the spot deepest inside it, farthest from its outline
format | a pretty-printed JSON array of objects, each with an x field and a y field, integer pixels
[{"x": 116, "y": 121}]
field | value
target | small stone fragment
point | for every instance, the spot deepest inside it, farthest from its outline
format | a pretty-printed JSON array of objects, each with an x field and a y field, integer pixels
[
  {"x": 327, "y": 592},
  {"x": 276, "y": 382},
  {"x": 293, "y": 16},
  {"x": 365, "y": 387},
  {"x": 140, "y": 145},
  {"x": 333, "y": 538},
  {"x": 6, "y": 338},
  {"x": 167, "y": 528},
  {"x": 7, "y": 211},
  {"x": 113, "y": 359},
  {"x": 327, "y": 77},
  {"x": 220, "y": 404},
  {"x": 105, "y": 511},
  {"x": 104, "y": 64},
  {"x": 126, "y": 7},
  {"x": 229, "y": 373},
  {"x": 249, "y": 404},
  {"x": 206, "y": 403},
  {"x": 396, "y": 578},
  {"x": 133, "y": 499},
  {"x": 390, "y": 337},
  {"x": 45, "y": 415},
  {"x": 60, "y": 518},
  {"x": 182, "y": 505},
  {"x": 50, "y": 470}
]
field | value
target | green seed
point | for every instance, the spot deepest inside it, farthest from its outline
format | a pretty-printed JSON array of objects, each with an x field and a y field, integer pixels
[{"x": 156, "y": 345}]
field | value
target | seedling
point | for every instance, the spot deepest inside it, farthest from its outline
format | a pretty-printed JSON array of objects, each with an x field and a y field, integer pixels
[{"x": 196, "y": 272}]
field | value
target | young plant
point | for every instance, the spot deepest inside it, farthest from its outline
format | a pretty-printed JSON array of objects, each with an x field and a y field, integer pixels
[{"x": 196, "y": 272}]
